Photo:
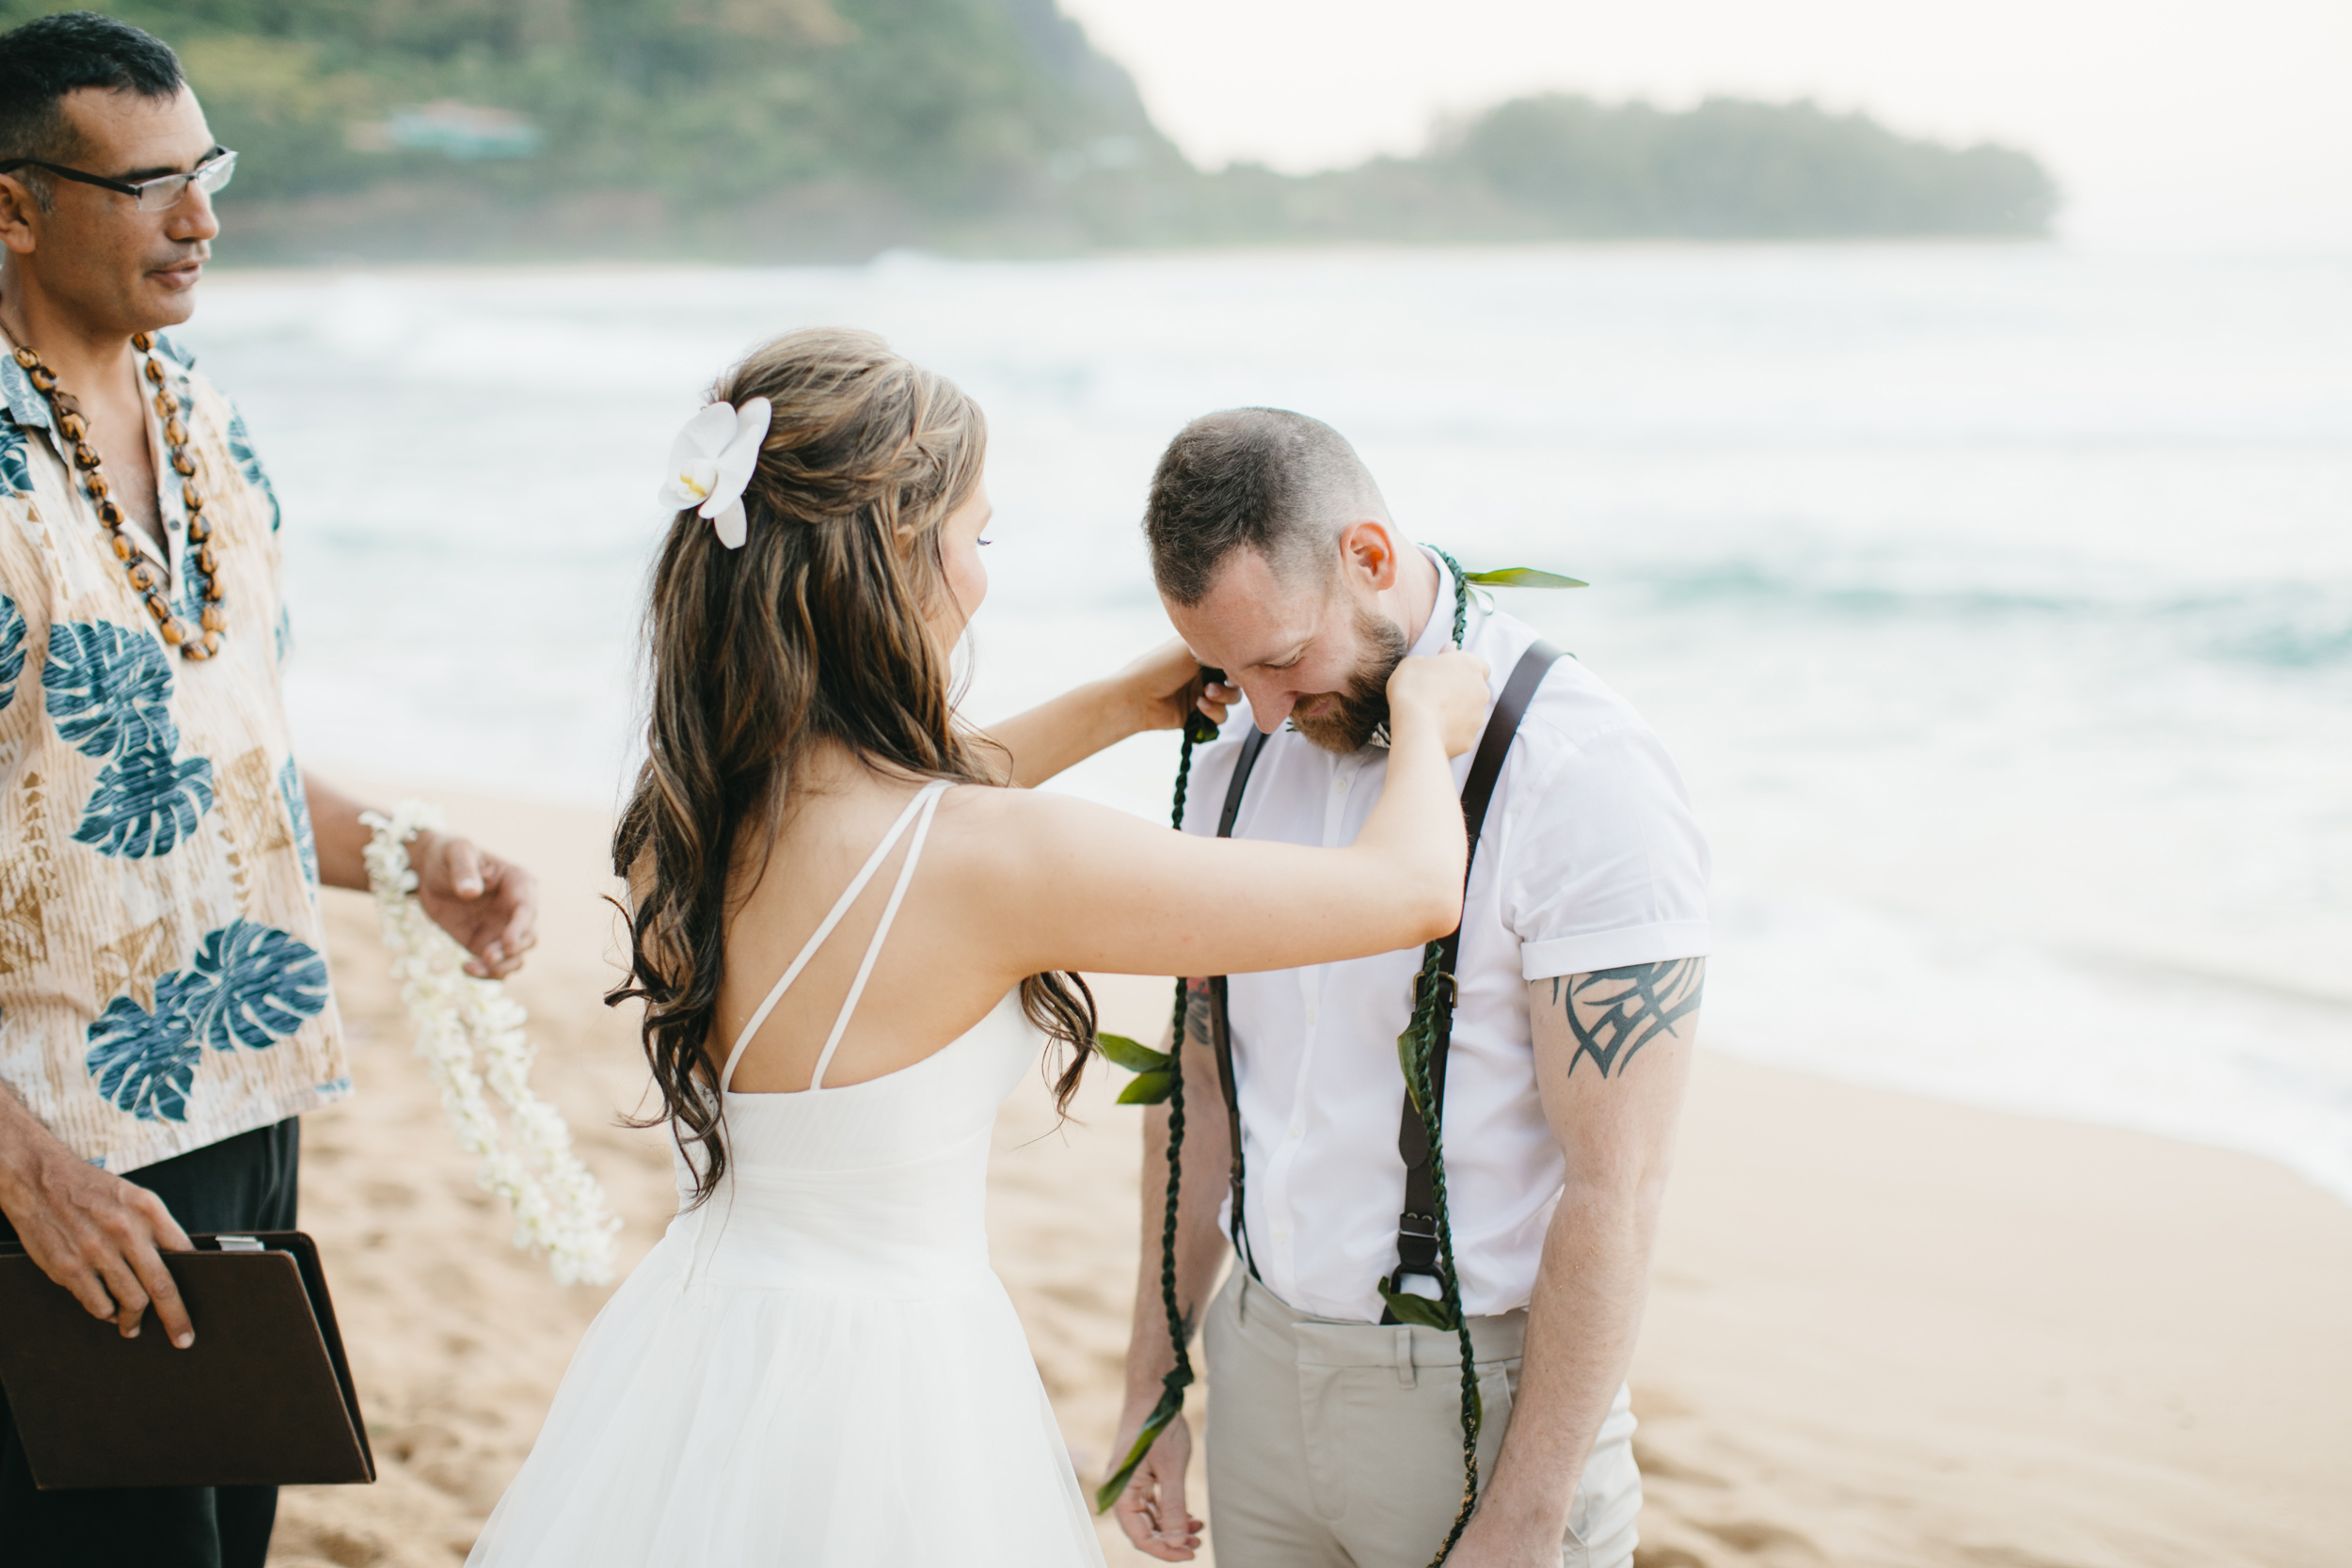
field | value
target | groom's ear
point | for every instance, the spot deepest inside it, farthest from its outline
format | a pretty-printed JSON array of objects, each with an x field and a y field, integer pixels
[{"x": 1368, "y": 554}]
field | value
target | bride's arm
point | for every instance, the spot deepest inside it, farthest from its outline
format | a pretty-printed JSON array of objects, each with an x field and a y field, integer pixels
[
  {"x": 1152, "y": 693},
  {"x": 1074, "y": 886}
]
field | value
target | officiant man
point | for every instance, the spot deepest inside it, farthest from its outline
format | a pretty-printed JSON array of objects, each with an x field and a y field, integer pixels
[
  {"x": 1334, "y": 1429},
  {"x": 165, "y": 1010}
]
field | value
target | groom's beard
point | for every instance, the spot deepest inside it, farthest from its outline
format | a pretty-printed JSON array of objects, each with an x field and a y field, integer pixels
[{"x": 1363, "y": 704}]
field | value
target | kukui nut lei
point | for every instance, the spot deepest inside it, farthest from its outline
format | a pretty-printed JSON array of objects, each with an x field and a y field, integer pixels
[{"x": 146, "y": 574}]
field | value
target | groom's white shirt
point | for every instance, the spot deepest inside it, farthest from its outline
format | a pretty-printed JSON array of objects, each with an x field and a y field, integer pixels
[{"x": 1590, "y": 860}]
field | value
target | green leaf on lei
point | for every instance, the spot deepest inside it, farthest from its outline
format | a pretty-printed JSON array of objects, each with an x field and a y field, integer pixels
[
  {"x": 1407, "y": 1058},
  {"x": 1411, "y": 1308},
  {"x": 1522, "y": 576},
  {"x": 1171, "y": 1404},
  {"x": 1148, "y": 1088},
  {"x": 1131, "y": 1054}
]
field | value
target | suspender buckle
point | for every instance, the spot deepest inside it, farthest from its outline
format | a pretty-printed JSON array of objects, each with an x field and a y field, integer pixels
[{"x": 1416, "y": 1244}]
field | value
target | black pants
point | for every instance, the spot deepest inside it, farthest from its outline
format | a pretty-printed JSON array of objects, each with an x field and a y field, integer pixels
[{"x": 241, "y": 1183}]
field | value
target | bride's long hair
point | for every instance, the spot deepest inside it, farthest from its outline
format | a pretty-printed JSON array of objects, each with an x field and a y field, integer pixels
[{"x": 814, "y": 628}]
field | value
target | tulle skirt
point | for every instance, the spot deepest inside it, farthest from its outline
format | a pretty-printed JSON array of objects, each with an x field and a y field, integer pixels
[{"x": 706, "y": 1423}]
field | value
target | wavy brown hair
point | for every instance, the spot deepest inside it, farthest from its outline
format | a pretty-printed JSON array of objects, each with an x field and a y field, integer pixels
[{"x": 814, "y": 629}]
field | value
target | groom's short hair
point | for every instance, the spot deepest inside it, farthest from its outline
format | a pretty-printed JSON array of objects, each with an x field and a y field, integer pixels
[
  {"x": 1262, "y": 479},
  {"x": 53, "y": 56}
]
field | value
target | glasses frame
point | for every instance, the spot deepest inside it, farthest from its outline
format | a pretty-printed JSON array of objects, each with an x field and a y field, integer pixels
[{"x": 210, "y": 176}]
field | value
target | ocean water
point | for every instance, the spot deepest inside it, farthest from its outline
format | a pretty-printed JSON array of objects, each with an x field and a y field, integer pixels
[{"x": 1997, "y": 601}]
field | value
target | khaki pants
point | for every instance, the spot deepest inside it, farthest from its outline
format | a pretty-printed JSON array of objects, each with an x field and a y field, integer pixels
[{"x": 1339, "y": 1445}]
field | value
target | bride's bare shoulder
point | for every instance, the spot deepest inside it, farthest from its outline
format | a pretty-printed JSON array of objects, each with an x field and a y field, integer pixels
[
  {"x": 1004, "y": 806},
  {"x": 991, "y": 826}
]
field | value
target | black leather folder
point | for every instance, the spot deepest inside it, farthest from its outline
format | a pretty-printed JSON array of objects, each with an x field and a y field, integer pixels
[{"x": 264, "y": 1397}]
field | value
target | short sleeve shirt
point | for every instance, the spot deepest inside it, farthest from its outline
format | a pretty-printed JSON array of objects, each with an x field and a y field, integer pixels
[
  {"x": 1590, "y": 859},
  {"x": 163, "y": 977}
]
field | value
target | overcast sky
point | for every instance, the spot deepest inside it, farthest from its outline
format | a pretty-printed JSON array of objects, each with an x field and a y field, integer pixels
[{"x": 2195, "y": 120}]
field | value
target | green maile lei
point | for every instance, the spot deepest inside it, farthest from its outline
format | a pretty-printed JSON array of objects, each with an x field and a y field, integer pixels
[{"x": 1158, "y": 1078}]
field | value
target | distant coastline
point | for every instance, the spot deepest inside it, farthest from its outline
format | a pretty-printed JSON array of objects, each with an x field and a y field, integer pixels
[{"x": 835, "y": 129}]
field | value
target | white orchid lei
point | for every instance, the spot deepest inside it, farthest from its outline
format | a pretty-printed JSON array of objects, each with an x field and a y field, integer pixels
[{"x": 559, "y": 1208}]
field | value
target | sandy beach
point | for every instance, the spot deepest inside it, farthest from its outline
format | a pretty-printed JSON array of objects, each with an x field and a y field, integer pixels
[{"x": 1883, "y": 1331}]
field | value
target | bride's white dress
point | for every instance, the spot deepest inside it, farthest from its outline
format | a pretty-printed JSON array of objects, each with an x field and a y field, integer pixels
[{"x": 818, "y": 1366}]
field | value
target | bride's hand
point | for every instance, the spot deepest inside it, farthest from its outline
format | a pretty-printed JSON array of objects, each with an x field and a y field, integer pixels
[
  {"x": 1447, "y": 690},
  {"x": 1165, "y": 685}
]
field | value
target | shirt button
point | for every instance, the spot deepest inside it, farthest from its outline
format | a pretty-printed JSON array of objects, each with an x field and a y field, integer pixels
[
  {"x": 1339, "y": 786},
  {"x": 1297, "y": 1131},
  {"x": 1311, "y": 1018}
]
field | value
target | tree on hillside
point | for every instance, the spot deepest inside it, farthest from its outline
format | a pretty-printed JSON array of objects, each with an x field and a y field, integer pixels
[{"x": 1734, "y": 169}]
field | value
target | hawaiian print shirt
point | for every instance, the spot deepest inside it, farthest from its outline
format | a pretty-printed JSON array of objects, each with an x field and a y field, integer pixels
[{"x": 162, "y": 979}]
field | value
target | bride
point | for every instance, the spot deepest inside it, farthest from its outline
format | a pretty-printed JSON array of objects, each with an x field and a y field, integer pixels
[{"x": 849, "y": 938}]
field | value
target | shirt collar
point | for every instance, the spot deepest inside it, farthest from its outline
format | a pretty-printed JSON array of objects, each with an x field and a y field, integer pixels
[
  {"x": 1436, "y": 635},
  {"x": 29, "y": 410},
  {"x": 25, "y": 407}
]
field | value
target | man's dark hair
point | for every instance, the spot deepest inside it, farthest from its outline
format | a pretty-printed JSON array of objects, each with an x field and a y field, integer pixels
[
  {"x": 53, "y": 56},
  {"x": 1262, "y": 479}
]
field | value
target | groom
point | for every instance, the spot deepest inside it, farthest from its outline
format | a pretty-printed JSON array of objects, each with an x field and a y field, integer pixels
[
  {"x": 1334, "y": 1432},
  {"x": 165, "y": 1014}
]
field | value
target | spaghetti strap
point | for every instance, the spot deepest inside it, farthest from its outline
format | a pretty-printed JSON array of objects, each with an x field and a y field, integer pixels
[
  {"x": 926, "y": 797},
  {"x": 873, "y": 949}
]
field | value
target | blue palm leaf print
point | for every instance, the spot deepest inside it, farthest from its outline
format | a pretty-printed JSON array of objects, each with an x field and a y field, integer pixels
[
  {"x": 145, "y": 803},
  {"x": 16, "y": 462},
  {"x": 250, "y": 464},
  {"x": 16, "y": 391},
  {"x": 145, "y": 1062},
  {"x": 265, "y": 983},
  {"x": 298, "y": 810},
  {"x": 11, "y": 649},
  {"x": 109, "y": 690},
  {"x": 248, "y": 985}
]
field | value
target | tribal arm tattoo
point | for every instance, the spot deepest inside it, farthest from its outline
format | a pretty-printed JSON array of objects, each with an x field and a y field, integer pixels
[{"x": 1613, "y": 1013}]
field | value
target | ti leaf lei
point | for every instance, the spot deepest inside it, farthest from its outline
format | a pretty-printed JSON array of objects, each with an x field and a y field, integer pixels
[{"x": 1158, "y": 1077}]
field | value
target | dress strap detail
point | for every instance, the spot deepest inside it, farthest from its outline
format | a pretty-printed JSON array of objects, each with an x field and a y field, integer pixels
[
  {"x": 926, "y": 797},
  {"x": 873, "y": 949}
]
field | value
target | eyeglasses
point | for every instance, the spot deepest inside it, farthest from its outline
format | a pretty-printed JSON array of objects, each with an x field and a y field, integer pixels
[{"x": 159, "y": 195}]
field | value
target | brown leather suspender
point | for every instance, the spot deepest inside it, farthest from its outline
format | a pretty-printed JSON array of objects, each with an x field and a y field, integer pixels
[
  {"x": 1220, "y": 1023},
  {"x": 1417, "y": 1226}
]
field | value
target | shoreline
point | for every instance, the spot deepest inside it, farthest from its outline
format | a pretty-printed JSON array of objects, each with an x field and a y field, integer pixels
[
  {"x": 1883, "y": 1330},
  {"x": 240, "y": 274}
]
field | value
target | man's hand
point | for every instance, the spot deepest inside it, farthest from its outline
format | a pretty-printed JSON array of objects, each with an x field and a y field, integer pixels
[
  {"x": 1151, "y": 1511},
  {"x": 97, "y": 1235},
  {"x": 491, "y": 906}
]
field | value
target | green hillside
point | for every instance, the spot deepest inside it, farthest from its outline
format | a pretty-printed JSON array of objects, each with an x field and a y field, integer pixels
[{"x": 788, "y": 129}]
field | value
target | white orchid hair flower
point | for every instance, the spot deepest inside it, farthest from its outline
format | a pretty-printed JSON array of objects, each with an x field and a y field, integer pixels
[{"x": 711, "y": 461}]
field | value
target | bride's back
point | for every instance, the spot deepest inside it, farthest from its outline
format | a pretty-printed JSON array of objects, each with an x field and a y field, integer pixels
[{"x": 937, "y": 972}]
